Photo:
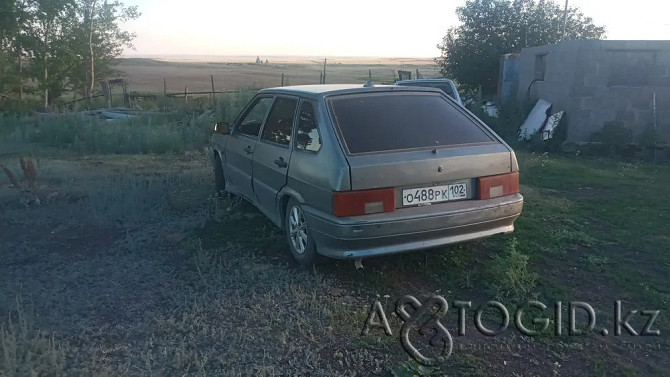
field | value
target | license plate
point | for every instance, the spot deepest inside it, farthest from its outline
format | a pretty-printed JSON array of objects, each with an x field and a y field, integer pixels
[{"x": 434, "y": 194}]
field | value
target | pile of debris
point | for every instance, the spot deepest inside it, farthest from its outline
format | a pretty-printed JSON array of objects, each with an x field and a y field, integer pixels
[{"x": 539, "y": 121}]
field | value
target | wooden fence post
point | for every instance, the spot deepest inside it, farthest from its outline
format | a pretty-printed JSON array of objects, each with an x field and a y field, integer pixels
[
  {"x": 320, "y": 77},
  {"x": 282, "y": 79},
  {"x": 324, "y": 70},
  {"x": 126, "y": 99},
  {"x": 164, "y": 94},
  {"x": 211, "y": 77},
  {"x": 107, "y": 94}
]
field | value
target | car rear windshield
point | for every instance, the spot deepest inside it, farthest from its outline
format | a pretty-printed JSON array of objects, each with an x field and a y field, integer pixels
[{"x": 396, "y": 121}]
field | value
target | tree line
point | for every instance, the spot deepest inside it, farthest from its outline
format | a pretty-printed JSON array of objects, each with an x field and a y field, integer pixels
[
  {"x": 471, "y": 51},
  {"x": 50, "y": 47}
]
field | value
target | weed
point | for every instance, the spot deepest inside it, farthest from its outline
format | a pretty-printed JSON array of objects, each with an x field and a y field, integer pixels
[
  {"x": 10, "y": 176},
  {"x": 29, "y": 173},
  {"x": 27, "y": 192},
  {"x": 204, "y": 261},
  {"x": 510, "y": 277},
  {"x": 27, "y": 351}
]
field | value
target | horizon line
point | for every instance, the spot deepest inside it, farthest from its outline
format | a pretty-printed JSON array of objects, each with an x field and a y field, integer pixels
[{"x": 276, "y": 56}]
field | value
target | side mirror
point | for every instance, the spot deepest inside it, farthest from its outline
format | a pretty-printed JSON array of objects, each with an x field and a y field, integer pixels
[{"x": 222, "y": 128}]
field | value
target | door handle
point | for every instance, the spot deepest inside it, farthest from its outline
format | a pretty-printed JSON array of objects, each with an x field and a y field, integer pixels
[
  {"x": 248, "y": 149},
  {"x": 281, "y": 163}
]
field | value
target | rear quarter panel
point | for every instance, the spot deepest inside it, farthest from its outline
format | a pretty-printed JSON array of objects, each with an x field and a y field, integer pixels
[{"x": 312, "y": 177}]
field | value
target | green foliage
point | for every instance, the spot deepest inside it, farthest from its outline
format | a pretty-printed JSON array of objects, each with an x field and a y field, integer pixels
[
  {"x": 228, "y": 106},
  {"x": 507, "y": 123},
  {"x": 96, "y": 27},
  {"x": 490, "y": 28},
  {"x": 82, "y": 135},
  {"x": 188, "y": 130},
  {"x": 509, "y": 273},
  {"x": 613, "y": 137},
  {"x": 613, "y": 133},
  {"x": 51, "y": 41},
  {"x": 649, "y": 136}
]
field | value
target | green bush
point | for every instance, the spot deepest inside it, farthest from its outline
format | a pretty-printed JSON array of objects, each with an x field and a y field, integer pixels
[
  {"x": 188, "y": 129},
  {"x": 508, "y": 274},
  {"x": 506, "y": 125},
  {"x": 649, "y": 137},
  {"x": 614, "y": 137}
]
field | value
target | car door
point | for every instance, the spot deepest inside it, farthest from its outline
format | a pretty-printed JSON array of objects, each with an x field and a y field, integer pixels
[
  {"x": 241, "y": 145},
  {"x": 273, "y": 153}
]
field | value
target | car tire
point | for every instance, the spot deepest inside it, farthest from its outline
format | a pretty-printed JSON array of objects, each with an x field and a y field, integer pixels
[
  {"x": 300, "y": 242},
  {"x": 219, "y": 180}
]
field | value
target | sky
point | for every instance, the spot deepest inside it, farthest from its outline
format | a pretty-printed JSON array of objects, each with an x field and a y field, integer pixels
[{"x": 351, "y": 28}]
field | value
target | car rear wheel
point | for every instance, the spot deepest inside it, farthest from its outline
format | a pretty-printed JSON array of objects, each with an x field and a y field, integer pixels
[
  {"x": 219, "y": 181},
  {"x": 299, "y": 239}
]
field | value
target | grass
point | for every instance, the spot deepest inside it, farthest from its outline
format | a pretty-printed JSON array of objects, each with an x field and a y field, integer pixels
[
  {"x": 187, "y": 130},
  {"x": 132, "y": 267},
  {"x": 509, "y": 274},
  {"x": 25, "y": 349}
]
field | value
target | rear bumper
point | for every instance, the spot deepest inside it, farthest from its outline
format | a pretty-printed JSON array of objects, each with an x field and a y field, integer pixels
[{"x": 413, "y": 228}]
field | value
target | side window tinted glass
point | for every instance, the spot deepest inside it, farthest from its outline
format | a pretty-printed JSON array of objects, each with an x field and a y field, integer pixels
[
  {"x": 253, "y": 119},
  {"x": 280, "y": 121},
  {"x": 307, "y": 135}
]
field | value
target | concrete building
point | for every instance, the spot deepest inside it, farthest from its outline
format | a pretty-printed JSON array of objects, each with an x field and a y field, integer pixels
[{"x": 600, "y": 81}]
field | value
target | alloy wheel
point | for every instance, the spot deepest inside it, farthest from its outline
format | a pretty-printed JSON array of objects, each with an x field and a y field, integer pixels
[{"x": 298, "y": 230}]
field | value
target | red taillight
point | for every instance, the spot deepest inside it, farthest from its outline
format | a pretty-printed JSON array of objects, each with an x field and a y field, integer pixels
[
  {"x": 498, "y": 185},
  {"x": 363, "y": 202}
]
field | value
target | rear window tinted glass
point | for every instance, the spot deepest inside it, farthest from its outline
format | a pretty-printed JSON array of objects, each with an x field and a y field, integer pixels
[{"x": 386, "y": 122}]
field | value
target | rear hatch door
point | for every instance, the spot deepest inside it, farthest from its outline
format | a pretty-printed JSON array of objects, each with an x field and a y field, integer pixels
[{"x": 426, "y": 147}]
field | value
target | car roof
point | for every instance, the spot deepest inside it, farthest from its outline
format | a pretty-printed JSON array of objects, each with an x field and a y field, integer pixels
[
  {"x": 438, "y": 80},
  {"x": 322, "y": 90}
]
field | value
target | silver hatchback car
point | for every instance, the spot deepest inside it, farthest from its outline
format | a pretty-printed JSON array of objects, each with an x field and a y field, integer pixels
[{"x": 353, "y": 171}]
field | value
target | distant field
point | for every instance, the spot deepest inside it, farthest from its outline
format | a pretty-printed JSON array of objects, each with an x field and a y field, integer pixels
[{"x": 146, "y": 75}]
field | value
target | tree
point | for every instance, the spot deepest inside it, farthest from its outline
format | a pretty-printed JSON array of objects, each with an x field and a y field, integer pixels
[
  {"x": 491, "y": 28},
  {"x": 67, "y": 44},
  {"x": 13, "y": 17},
  {"x": 96, "y": 40},
  {"x": 46, "y": 44}
]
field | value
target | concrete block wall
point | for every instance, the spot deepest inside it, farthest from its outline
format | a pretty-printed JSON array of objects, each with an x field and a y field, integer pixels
[{"x": 602, "y": 81}]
